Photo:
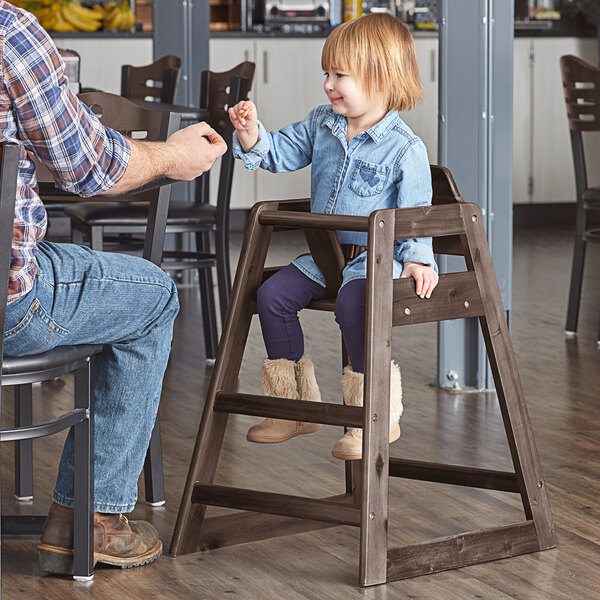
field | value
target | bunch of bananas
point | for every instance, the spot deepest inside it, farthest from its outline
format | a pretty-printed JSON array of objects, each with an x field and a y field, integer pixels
[
  {"x": 118, "y": 16},
  {"x": 72, "y": 15}
]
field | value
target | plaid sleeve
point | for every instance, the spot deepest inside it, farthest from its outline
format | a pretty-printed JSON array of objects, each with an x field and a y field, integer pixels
[{"x": 84, "y": 157}]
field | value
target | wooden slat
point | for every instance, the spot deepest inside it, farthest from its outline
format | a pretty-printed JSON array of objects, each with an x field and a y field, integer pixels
[
  {"x": 243, "y": 527},
  {"x": 455, "y": 297},
  {"x": 224, "y": 377},
  {"x": 461, "y": 550},
  {"x": 421, "y": 221},
  {"x": 427, "y": 221},
  {"x": 502, "y": 481},
  {"x": 288, "y": 409},
  {"x": 277, "y": 504},
  {"x": 504, "y": 367},
  {"x": 378, "y": 354},
  {"x": 302, "y": 220}
]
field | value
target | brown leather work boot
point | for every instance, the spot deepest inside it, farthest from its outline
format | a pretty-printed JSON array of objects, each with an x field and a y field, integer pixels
[{"x": 117, "y": 541}]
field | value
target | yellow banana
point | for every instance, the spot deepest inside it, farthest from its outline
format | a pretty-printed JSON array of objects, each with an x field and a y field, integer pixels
[
  {"x": 75, "y": 20},
  {"x": 108, "y": 6},
  {"x": 127, "y": 21},
  {"x": 62, "y": 25},
  {"x": 114, "y": 20},
  {"x": 85, "y": 13}
]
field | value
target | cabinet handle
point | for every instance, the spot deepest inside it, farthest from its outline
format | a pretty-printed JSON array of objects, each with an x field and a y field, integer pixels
[
  {"x": 432, "y": 65},
  {"x": 265, "y": 65},
  {"x": 246, "y": 55}
]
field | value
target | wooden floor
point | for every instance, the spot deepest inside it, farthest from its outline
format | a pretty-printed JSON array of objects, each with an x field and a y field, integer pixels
[{"x": 561, "y": 378}]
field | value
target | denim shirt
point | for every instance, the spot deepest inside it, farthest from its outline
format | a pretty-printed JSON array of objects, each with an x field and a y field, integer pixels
[{"x": 384, "y": 167}]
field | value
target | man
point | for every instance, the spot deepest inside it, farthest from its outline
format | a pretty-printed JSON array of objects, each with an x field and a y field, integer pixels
[{"x": 63, "y": 294}]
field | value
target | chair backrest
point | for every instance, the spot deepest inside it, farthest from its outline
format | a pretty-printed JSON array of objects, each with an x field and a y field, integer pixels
[
  {"x": 219, "y": 91},
  {"x": 165, "y": 71},
  {"x": 9, "y": 168},
  {"x": 581, "y": 88},
  {"x": 216, "y": 97},
  {"x": 128, "y": 118}
]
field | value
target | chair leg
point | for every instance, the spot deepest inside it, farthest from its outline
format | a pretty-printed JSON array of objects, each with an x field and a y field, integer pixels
[
  {"x": 23, "y": 448},
  {"x": 207, "y": 298},
  {"x": 96, "y": 238},
  {"x": 223, "y": 271},
  {"x": 154, "y": 483},
  {"x": 76, "y": 235},
  {"x": 576, "y": 273},
  {"x": 83, "y": 514}
]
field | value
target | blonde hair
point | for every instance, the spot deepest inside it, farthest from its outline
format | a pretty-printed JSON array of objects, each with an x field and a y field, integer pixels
[{"x": 379, "y": 50}]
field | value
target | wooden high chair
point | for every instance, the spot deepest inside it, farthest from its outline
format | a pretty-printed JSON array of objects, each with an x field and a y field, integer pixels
[{"x": 457, "y": 228}]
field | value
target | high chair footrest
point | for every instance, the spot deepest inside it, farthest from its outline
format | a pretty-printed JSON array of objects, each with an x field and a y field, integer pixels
[
  {"x": 290, "y": 410},
  {"x": 332, "y": 511}
]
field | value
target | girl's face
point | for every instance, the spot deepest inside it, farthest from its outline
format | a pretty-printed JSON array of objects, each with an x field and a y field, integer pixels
[{"x": 348, "y": 98}]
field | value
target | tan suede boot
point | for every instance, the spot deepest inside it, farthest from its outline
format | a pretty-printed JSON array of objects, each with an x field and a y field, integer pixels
[
  {"x": 349, "y": 447},
  {"x": 286, "y": 379}
]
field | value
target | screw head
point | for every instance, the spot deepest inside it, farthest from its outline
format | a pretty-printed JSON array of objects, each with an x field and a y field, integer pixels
[
  {"x": 474, "y": 218},
  {"x": 372, "y": 516},
  {"x": 467, "y": 304},
  {"x": 381, "y": 224},
  {"x": 407, "y": 311}
]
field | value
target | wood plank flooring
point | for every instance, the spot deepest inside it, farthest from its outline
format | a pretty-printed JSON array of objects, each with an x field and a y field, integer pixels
[{"x": 561, "y": 379}]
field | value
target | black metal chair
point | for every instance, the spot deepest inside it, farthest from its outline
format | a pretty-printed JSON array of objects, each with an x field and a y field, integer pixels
[
  {"x": 141, "y": 82},
  {"x": 581, "y": 85},
  {"x": 21, "y": 372},
  {"x": 123, "y": 115},
  {"x": 98, "y": 221}
]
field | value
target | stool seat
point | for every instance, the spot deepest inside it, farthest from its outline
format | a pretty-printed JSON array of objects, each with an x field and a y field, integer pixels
[
  {"x": 132, "y": 214},
  {"x": 591, "y": 197},
  {"x": 61, "y": 356}
]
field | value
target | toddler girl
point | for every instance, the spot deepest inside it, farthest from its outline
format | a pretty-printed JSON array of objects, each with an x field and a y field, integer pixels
[{"x": 363, "y": 158}]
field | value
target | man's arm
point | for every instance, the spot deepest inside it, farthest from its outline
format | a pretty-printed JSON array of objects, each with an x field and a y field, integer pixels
[{"x": 184, "y": 156}]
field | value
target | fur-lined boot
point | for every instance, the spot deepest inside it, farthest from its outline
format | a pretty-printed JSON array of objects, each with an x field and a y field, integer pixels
[
  {"x": 284, "y": 378},
  {"x": 349, "y": 447}
]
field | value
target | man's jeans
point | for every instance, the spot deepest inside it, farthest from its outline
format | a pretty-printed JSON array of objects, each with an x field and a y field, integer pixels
[{"x": 81, "y": 296}]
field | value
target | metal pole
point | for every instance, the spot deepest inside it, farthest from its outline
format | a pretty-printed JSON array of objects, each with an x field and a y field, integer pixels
[{"x": 475, "y": 143}]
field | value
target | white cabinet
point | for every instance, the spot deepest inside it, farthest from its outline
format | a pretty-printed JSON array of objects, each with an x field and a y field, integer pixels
[
  {"x": 543, "y": 164},
  {"x": 101, "y": 59},
  {"x": 288, "y": 84},
  {"x": 423, "y": 120}
]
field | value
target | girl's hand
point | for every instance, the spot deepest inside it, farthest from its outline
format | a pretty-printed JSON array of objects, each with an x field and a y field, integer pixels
[
  {"x": 425, "y": 277},
  {"x": 244, "y": 118},
  {"x": 243, "y": 115}
]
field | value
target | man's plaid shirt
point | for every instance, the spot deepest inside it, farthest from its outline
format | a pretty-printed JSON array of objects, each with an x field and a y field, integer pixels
[{"x": 39, "y": 112}]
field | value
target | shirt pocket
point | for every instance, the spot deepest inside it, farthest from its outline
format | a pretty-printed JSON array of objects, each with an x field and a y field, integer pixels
[
  {"x": 368, "y": 179},
  {"x": 35, "y": 332}
]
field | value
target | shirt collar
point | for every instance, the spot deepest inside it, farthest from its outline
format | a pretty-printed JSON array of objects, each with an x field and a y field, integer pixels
[{"x": 337, "y": 123}]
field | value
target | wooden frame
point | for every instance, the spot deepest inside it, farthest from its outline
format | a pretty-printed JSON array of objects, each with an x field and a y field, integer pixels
[{"x": 457, "y": 228}]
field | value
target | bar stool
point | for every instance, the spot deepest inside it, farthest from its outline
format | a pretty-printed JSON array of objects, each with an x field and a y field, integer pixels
[
  {"x": 21, "y": 372},
  {"x": 457, "y": 229},
  {"x": 581, "y": 86}
]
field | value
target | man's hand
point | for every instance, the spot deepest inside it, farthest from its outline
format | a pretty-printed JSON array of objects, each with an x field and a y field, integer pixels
[
  {"x": 183, "y": 157},
  {"x": 425, "y": 277},
  {"x": 192, "y": 153}
]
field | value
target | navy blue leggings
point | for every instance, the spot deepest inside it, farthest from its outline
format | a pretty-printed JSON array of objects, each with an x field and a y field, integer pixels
[{"x": 283, "y": 295}]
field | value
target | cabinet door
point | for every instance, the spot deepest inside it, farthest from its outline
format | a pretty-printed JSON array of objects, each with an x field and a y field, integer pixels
[
  {"x": 423, "y": 120},
  {"x": 289, "y": 85},
  {"x": 101, "y": 59},
  {"x": 224, "y": 55},
  {"x": 522, "y": 119},
  {"x": 553, "y": 175}
]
